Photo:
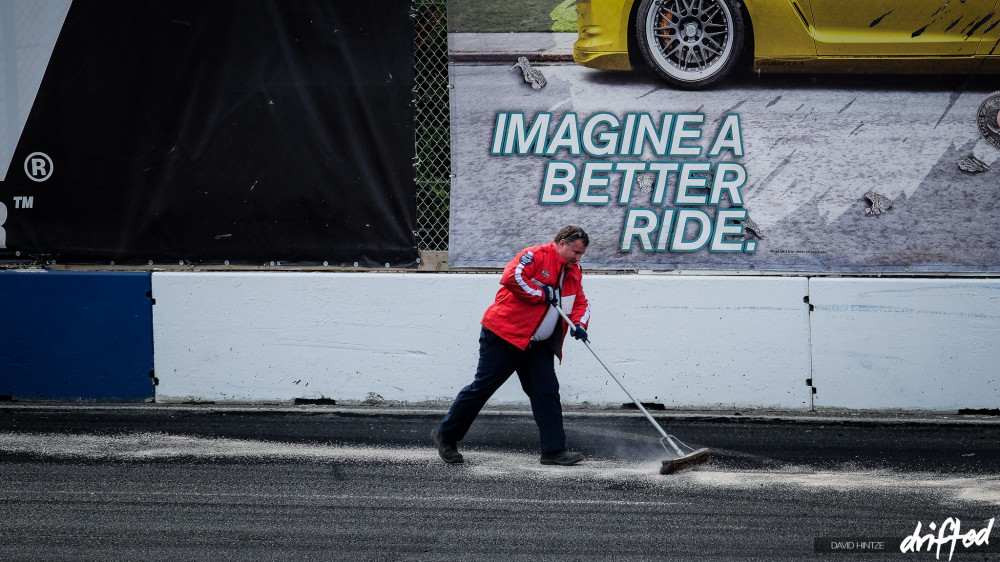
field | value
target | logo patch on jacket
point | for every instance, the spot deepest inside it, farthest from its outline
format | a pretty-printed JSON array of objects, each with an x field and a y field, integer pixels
[
  {"x": 545, "y": 274},
  {"x": 527, "y": 258}
]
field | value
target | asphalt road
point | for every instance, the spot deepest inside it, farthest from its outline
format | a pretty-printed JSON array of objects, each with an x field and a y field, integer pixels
[{"x": 331, "y": 483}]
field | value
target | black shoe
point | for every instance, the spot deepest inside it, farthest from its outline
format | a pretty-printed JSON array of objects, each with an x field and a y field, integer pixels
[
  {"x": 449, "y": 453},
  {"x": 564, "y": 458}
]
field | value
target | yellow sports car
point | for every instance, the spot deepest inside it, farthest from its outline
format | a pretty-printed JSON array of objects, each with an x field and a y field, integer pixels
[{"x": 692, "y": 44}]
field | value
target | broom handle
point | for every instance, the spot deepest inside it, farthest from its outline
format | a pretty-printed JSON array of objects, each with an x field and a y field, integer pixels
[{"x": 572, "y": 329}]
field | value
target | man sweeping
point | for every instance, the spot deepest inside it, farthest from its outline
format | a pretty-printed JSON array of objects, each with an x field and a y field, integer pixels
[{"x": 523, "y": 333}]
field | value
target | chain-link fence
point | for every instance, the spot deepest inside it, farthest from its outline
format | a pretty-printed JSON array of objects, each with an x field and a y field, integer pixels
[{"x": 433, "y": 124}]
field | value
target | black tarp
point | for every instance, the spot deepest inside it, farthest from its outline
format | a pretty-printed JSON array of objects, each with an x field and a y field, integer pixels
[{"x": 240, "y": 130}]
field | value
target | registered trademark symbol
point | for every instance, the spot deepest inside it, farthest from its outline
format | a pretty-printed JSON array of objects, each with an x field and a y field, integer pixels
[{"x": 38, "y": 166}]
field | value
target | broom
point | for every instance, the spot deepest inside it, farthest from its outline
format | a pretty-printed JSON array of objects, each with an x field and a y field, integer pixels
[{"x": 682, "y": 456}]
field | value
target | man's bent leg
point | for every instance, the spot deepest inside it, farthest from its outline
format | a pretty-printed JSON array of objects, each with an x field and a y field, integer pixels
[{"x": 497, "y": 360}]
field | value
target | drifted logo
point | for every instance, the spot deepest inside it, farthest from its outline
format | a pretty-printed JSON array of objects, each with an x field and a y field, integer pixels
[{"x": 949, "y": 532}]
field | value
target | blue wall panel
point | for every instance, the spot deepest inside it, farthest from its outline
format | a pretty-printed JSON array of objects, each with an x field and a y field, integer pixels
[{"x": 76, "y": 335}]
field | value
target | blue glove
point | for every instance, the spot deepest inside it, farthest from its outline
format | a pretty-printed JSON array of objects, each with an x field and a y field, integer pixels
[
  {"x": 550, "y": 295},
  {"x": 579, "y": 333}
]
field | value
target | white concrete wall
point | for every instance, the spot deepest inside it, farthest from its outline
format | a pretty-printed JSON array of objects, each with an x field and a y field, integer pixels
[
  {"x": 906, "y": 343},
  {"x": 684, "y": 341},
  {"x": 280, "y": 336},
  {"x": 703, "y": 342}
]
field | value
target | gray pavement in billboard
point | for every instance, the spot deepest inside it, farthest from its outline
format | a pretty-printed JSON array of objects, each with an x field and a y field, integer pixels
[
  {"x": 815, "y": 146},
  {"x": 483, "y": 47},
  {"x": 156, "y": 482}
]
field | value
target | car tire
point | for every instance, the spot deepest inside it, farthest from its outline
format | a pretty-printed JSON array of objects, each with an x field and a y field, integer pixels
[{"x": 690, "y": 44}]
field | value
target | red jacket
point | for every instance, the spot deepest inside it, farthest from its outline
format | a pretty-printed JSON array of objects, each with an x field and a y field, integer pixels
[{"x": 520, "y": 303}]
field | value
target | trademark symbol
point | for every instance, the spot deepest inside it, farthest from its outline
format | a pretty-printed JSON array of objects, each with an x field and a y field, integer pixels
[{"x": 38, "y": 166}]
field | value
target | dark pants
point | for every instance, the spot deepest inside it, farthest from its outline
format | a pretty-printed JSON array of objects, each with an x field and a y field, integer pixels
[{"x": 498, "y": 360}]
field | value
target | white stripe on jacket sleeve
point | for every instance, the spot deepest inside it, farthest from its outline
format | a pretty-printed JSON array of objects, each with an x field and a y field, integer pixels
[
  {"x": 586, "y": 314},
  {"x": 518, "y": 276}
]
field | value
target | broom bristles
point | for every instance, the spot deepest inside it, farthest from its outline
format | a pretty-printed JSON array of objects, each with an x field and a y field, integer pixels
[{"x": 686, "y": 462}]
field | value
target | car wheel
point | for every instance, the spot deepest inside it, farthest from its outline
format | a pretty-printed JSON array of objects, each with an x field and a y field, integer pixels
[{"x": 690, "y": 44}]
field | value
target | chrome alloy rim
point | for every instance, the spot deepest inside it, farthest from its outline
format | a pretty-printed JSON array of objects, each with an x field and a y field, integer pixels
[{"x": 690, "y": 38}]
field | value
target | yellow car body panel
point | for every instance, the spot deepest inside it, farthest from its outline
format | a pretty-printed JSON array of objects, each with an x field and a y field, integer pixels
[
  {"x": 603, "y": 27},
  {"x": 850, "y": 36},
  {"x": 789, "y": 32},
  {"x": 989, "y": 45},
  {"x": 910, "y": 28}
]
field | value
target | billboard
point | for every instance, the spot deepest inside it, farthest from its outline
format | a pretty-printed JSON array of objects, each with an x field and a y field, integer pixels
[
  {"x": 207, "y": 132},
  {"x": 831, "y": 169}
]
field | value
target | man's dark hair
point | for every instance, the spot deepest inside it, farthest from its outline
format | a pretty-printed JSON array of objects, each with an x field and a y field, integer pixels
[{"x": 572, "y": 233}]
